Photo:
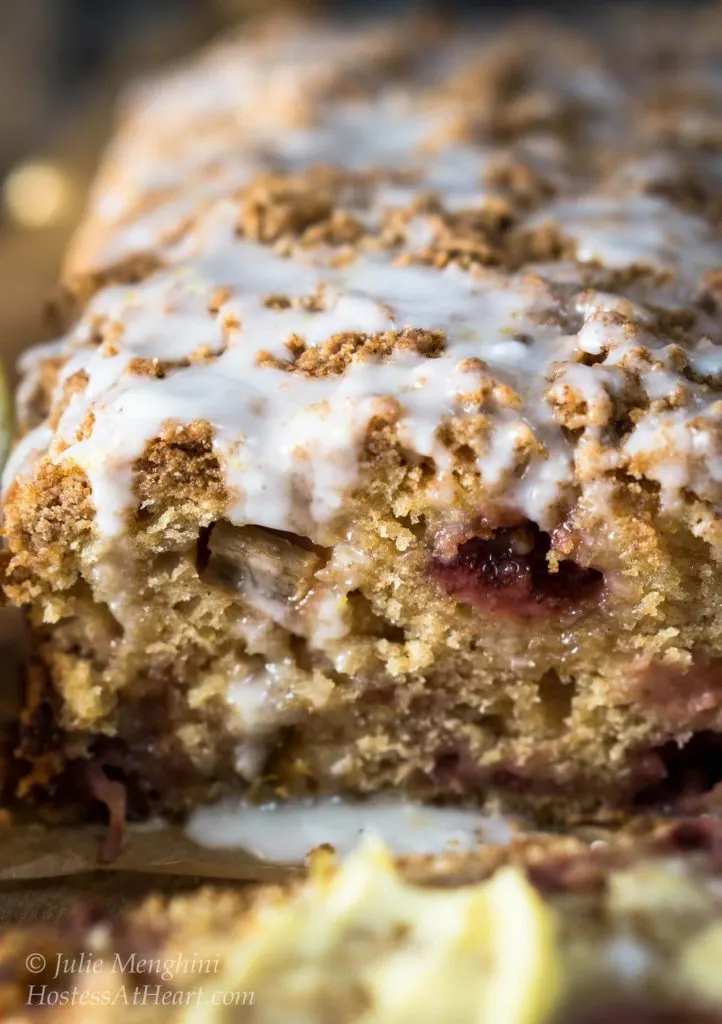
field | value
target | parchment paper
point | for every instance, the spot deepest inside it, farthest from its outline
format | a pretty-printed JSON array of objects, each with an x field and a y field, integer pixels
[{"x": 29, "y": 851}]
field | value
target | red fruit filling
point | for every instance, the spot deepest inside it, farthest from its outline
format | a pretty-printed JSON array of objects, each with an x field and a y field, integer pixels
[{"x": 508, "y": 574}]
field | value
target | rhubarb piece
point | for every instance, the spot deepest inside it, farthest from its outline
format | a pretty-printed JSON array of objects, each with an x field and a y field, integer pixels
[
  {"x": 112, "y": 794},
  {"x": 255, "y": 561},
  {"x": 510, "y": 573}
]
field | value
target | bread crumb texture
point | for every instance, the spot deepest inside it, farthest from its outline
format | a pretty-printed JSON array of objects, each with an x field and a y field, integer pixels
[{"x": 382, "y": 443}]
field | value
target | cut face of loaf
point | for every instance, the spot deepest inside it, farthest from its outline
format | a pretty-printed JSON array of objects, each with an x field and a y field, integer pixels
[{"x": 381, "y": 449}]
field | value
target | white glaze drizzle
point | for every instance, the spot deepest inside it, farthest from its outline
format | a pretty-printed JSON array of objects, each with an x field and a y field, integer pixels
[
  {"x": 278, "y": 432},
  {"x": 287, "y": 833}
]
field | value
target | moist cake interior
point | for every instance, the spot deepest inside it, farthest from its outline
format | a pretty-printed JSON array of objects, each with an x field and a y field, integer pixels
[{"x": 380, "y": 449}]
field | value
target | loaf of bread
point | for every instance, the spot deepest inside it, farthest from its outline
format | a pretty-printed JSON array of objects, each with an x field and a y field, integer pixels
[{"x": 381, "y": 449}]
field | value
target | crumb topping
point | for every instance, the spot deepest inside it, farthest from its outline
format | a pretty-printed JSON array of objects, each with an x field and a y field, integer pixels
[
  {"x": 332, "y": 357},
  {"x": 440, "y": 244}
]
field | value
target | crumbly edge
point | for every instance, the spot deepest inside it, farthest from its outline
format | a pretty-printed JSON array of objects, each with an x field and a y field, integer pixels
[{"x": 654, "y": 887}]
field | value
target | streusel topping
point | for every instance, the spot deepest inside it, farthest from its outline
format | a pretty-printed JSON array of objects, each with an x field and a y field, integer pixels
[{"x": 336, "y": 250}]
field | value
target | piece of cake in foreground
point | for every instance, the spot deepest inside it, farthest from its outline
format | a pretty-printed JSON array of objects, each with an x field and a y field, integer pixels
[
  {"x": 549, "y": 932},
  {"x": 381, "y": 450}
]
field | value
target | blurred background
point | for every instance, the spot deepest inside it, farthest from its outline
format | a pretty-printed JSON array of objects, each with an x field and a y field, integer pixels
[{"x": 62, "y": 63}]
